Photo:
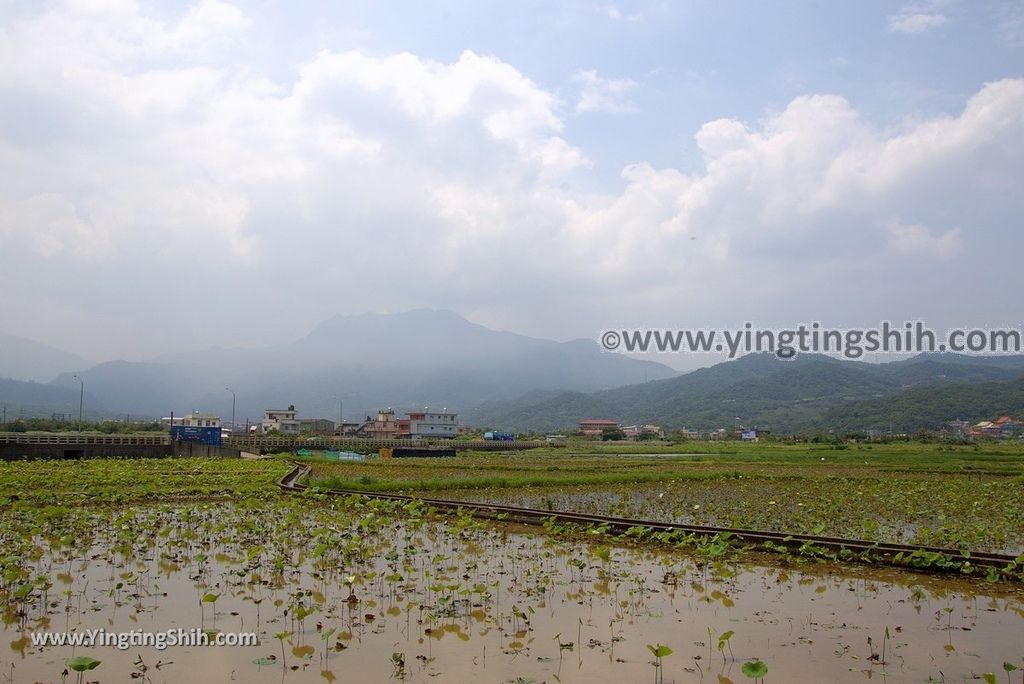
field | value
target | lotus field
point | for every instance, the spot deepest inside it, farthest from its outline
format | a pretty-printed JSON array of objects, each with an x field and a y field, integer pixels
[{"x": 349, "y": 588}]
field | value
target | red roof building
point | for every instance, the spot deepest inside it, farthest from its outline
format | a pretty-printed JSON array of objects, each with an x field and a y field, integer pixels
[{"x": 593, "y": 427}]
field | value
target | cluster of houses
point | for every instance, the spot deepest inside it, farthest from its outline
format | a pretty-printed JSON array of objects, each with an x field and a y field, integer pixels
[
  {"x": 1002, "y": 427},
  {"x": 596, "y": 428},
  {"x": 425, "y": 424}
]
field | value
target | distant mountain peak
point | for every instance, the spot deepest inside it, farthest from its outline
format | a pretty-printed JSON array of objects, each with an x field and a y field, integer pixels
[
  {"x": 362, "y": 362},
  {"x": 411, "y": 320},
  {"x": 24, "y": 359}
]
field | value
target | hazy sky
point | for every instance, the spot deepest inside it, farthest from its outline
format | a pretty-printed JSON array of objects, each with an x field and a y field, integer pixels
[{"x": 183, "y": 175}]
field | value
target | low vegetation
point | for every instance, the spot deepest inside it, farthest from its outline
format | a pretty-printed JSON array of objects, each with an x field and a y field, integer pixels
[
  {"x": 106, "y": 427},
  {"x": 35, "y": 484}
]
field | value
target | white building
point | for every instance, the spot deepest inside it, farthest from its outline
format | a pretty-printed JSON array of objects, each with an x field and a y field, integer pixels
[
  {"x": 427, "y": 425},
  {"x": 201, "y": 420},
  {"x": 635, "y": 431},
  {"x": 285, "y": 421},
  {"x": 193, "y": 420}
]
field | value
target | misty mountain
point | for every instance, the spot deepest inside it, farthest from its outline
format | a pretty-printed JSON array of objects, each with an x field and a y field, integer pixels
[
  {"x": 541, "y": 411},
  {"x": 368, "y": 361},
  {"x": 33, "y": 399},
  {"x": 25, "y": 359},
  {"x": 510, "y": 381},
  {"x": 809, "y": 392}
]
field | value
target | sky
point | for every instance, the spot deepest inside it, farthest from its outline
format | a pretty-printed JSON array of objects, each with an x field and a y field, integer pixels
[{"x": 183, "y": 175}]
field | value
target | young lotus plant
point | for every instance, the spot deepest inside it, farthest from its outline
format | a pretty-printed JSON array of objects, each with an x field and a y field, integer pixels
[
  {"x": 209, "y": 598},
  {"x": 81, "y": 665},
  {"x": 755, "y": 669},
  {"x": 659, "y": 651}
]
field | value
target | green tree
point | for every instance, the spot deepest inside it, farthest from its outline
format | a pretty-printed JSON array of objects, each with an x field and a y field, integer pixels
[{"x": 612, "y": 434}]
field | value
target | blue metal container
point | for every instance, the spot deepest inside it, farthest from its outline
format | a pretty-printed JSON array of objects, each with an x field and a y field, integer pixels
[
  {"x": 205, "y": 435},
  {"x": 499, "y": 436}
]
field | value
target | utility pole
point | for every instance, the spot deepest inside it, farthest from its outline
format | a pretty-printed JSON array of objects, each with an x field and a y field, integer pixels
[
  {"x": 341, "y": 415},
  {"x": 232, "y": 409},
  {"x": 81, "y": 401}
]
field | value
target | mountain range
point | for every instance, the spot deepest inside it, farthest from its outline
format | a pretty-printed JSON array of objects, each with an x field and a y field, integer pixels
[
  {"x": 28, "y": 360},
  {"x": 508, "y": 381},
  {"x": 805, "y": 394},
  {"x": 363, "y": 362}
]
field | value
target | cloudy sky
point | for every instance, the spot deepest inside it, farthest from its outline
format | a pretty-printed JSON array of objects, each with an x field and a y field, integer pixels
[{"x": 177, "y": 175}]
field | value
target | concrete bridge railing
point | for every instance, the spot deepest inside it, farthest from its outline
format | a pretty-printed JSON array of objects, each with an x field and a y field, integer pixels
[
  {"x": 264, "y": 442},
  {"x": 141, "y": 439},
  {"x": 254, "y": 443}
]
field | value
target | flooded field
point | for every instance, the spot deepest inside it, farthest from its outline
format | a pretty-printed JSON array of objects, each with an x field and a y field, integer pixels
[
  {"x": 915, "y": 494},
  {"x": 355, "y": 590},
  {"x": 982, "y": 516}
]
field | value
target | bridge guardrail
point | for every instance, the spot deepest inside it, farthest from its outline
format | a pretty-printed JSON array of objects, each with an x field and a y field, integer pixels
[
  {"x": 154, "y": 439},
  {"x": 341, "y": 443},
  {"x": 265, "y": 442}
]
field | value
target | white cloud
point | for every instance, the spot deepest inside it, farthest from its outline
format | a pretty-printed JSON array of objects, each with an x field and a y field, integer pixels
[
  {"x": 917, "y": 239},
  {"x": 917, "y": 18},
  {"x": 210, "y": 20},
  {"x": 475, "y": 91},
  {"x": 47, "y": 224},
  {"x": 1010, "y": 22},
  {"x": 390, "y": 181},
  {"x": 614, "y": 13},
  {"x": 183, "y": 154},
  {"x": 813, "y": 185},
  {"x": 599, "y": 94}
]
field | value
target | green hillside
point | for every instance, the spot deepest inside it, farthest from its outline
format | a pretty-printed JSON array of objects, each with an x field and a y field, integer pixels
[{"x": 807, "y": 394}]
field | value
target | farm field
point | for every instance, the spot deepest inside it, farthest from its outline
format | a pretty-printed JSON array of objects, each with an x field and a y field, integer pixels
[
  {"x": 56, "y": 485},
  {"x": 352, "y": 589},
  {"x": 957, "y": 497}
]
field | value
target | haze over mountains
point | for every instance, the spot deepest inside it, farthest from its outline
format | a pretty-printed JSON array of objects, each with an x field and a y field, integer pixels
[
  {"x": 509, "y": 381},
  {"x": 369, "y": 361},
  {"x": 28, "y": 360}
]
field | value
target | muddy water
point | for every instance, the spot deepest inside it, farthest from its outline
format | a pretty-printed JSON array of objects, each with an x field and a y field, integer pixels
[{"x": 430, "y": 603}]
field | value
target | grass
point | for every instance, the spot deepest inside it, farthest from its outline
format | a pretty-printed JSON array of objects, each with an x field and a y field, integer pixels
[
  {"x": 553, "y": 467},
  {"x": 369, "y": 483}
]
